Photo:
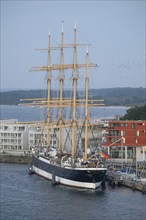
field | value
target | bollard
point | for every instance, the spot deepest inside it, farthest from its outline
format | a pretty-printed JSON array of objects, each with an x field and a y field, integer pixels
[
  {"x": 103, "y": 185},
  {"x": 53, "y": 178}
]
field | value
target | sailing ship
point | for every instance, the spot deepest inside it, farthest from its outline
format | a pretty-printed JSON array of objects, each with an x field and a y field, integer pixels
[{"x": 73, "y": 167}]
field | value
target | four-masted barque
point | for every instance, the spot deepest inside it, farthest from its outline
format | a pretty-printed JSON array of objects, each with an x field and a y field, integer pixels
[{"x": 72, "y": 167}]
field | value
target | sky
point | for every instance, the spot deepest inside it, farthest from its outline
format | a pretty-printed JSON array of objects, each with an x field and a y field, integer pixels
[{"x": 115, "y": 30}]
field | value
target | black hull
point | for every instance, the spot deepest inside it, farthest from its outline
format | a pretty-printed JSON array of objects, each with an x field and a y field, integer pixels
[{"x": 77, "y": 177}]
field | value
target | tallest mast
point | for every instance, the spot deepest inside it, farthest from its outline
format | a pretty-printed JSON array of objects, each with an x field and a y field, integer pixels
[
  {"x": 86, "y": 107},
  {"x": 61, "y": 91},
  {"x": 49, "y": 90},
  {"x": 74, "y": 95}
]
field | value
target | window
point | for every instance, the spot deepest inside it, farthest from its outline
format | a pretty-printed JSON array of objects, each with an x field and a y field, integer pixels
[
  {"x": 139, "y": 123},
  {"x": 124, "y": 125},
  {"x": 114, "y": 133},
  {"x": 123, "y": 133},
  {"x": 115, "y": 125},
  {"x": 137, "y": 133},
  {"x": 133, "y": 125},
  {"x": 112, "y": 140},
  {"x": 21, "y": 128}
]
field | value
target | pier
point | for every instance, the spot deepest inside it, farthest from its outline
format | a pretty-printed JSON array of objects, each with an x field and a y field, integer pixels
[
  {"x": 13, "y": 158},
  {"x": 133, "y": 177}
]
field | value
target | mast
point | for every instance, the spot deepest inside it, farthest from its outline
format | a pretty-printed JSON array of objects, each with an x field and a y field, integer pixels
[
  {"x": 74, "y": 96},
  {"x": 61, "y": 102},
  {"x": 49, "y": 91},
  {"x": 86, "y": 107},
  {"x": 61, "y": 91}
]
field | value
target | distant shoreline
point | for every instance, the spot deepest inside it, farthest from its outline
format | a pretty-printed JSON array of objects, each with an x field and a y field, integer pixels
[
  {"x": 112, "y": 96},
  {"x": 106, "y": 106}
]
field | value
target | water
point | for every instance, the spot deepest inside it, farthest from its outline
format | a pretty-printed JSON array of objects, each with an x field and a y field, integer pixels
[
  {"x": 23, "y": 113},
  {"x": 25, "y": 197}
]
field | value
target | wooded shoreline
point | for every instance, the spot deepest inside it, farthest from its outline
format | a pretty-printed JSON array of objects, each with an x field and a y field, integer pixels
[{"x": 112, "y": 96}]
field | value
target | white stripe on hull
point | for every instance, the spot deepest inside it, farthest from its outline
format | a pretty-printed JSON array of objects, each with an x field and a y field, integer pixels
[{"x": 67, "y": 182}]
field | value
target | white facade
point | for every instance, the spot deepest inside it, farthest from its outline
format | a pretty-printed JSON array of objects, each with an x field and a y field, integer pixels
[
  {"x": 21, "y": 137},
  {"x": 38, "y": 137},
  {"x": 13, "y": 136}
]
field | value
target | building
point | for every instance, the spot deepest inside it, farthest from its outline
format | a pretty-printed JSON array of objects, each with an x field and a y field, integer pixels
[
  {"x": 38, "y": 137},
  {"x": 127, "y": 139},
  {"x": 13, "y": 136},
  {"x": 17, "y": 137}
]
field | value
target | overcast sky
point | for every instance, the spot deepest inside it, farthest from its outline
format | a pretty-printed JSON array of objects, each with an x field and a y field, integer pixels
[{"x": 116, "y": 30}]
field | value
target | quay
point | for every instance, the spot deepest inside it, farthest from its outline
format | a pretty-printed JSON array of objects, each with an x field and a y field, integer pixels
[
  {"x": 134, "y": 178},
  {"x": 15, "y": 158}
]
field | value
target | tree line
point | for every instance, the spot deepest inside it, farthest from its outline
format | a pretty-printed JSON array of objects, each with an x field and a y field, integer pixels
[{"x": 111, "y": 96}]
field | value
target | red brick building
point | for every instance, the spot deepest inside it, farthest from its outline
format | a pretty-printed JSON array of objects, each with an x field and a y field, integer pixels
[
  {"x": 126, "y": 139},
  {"x": 133, "y": 133}
]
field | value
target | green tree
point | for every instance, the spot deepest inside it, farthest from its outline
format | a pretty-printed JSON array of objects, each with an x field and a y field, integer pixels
[{"x": 136, "y": 113}]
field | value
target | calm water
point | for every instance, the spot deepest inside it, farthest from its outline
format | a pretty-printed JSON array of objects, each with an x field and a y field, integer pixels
[
  {"x": 25, "y": 197},
  {"x": 23, "y": 113}
]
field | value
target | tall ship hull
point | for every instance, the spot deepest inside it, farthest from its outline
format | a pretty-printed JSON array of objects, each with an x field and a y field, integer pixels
[{"x": 80, "y": 177}]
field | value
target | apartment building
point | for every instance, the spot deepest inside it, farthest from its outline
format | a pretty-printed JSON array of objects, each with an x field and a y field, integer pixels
[
  {"x": 129, "y": 136},
  {"x": 13, "y": 136}
]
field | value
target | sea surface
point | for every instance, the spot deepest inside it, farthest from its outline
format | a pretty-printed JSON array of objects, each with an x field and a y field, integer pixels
[
  {"x": 31, "y": 197},
  {"x": 25, "y": 113}
]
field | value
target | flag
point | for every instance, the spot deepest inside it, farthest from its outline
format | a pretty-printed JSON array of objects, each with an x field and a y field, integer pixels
[
  {"x": 104, "y": 154},
  {"x": 43, "y": 138}
]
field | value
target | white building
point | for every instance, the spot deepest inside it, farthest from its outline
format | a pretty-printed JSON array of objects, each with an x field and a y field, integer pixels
[
  {"x": 13, "y": 136},
  {"x": 38, "y": 137},
  {"x": 17, "y": 137}
]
